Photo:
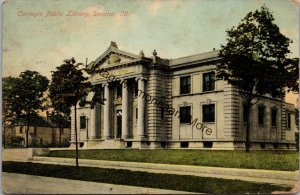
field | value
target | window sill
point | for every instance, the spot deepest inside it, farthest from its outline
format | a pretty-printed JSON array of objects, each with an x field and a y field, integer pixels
[
  {"x": 184, "y": 94},
  {"x": 209, "y": 123},
  {"x": 208, "y": 91},
  {"x": 199, "y": 93},
  {"x": 184, "y": 124}
]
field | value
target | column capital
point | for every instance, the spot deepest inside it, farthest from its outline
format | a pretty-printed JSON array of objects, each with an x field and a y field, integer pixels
[
  {"x": 140, "y": 78},
  {"x": 105, "y": 84},
  {"x": 122, "y": 80}
]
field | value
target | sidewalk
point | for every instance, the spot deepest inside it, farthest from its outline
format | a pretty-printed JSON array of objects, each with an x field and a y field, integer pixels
[
  {"x": 28, "y": 184},
  {"x": 253, "y": 175}
]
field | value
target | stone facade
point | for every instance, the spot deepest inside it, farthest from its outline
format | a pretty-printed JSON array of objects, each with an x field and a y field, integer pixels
[{"x": 160, "y": 103}]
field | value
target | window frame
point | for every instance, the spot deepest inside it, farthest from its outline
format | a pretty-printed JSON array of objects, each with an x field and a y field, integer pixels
[
  {"x": 272, "y": 116},
  {"x": 211, "y": 81},
  {"x": 259, "y": 108},
  {"x": 185, "y": 88},
  {"x": 82, "y": 125},
  {"x": 204, "y": 116},
  {"x": 185, "y": 120}
]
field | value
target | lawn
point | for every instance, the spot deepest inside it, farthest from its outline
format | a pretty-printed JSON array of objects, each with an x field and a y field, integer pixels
[
  {"x": 273, "y": 160},
  {"x": 144, "y": 179}
]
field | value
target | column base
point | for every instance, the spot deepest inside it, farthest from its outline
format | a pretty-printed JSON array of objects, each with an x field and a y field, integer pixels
[{"x": 94, "y": 137}]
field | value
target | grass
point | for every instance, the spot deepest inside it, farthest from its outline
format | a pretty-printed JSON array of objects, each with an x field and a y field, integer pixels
[
  {"x": 272, "y": 160},
  {"x": 144, "y": 179}
]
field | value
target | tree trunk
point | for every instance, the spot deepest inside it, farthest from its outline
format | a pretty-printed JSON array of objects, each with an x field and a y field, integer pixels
[
  {"x": 4, "y": 135},
  {"x": 27, "y": 129},
  {"x": 248, "y": 110},
  {"x": 59, "y": 141},
  {"x": 76, "y": 140},
  {"x": 27, "y": 132}
]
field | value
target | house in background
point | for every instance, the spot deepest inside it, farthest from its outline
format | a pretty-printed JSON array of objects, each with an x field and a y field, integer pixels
[{"x": 41, "y": 132}]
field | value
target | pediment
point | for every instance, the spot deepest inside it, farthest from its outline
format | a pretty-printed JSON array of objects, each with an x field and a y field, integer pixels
[{"x": 113, "y": 56}]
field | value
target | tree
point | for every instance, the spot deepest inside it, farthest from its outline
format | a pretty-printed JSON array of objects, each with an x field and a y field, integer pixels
[
  {"x": 67, "y": 87},
  {"x": 255, "y": 61},
  {"x": 26, "y": 97},
  {"x": 9, "y": 109}
]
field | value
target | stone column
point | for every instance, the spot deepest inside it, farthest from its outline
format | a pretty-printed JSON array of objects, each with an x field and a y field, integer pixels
[
  {"x": 93, "y": 123},
  {"x": 106, "y": 121},
  {"x": 125, "y": 131},
  {"x": 141, "y": 108}
]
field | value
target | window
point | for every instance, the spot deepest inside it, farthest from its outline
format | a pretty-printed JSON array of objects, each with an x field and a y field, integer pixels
[
  {"x": 208, "y": 113},
  {"x": 245, "y": 113},
  {"x": 274, "y": 117},
  {"x": 21, "y": 129},
  {"x": 82, "y": 122},
  {"x": 34, "y": 131},
  {"x": 185, "y": 85},
  {"x": 209, "y": 81},
  {"x": 119, "y": 91},
  {"x": 288, "y": 120},
  {"x": 261, "y": 115},
  {"x": 185, "y": 114}
]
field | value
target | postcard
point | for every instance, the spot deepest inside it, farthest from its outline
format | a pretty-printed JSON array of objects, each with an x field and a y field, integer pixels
[{"x": 150, "y": 97}]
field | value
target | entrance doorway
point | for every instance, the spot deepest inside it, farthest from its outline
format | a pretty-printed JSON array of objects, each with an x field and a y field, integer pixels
[{"x": 119, "y": 124}]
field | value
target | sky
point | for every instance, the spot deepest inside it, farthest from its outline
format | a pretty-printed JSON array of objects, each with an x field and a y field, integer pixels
[{"x": 39, "y": 34}]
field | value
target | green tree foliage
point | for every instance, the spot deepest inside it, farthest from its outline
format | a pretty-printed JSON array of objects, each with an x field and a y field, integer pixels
[
  {"x": 9, "y": 109},
  {"x": 23, "y": 97},
  {"x": 256, "y": 60},
  {"x": 9, "y": 91},
  {"x": 67, "y": 87}
]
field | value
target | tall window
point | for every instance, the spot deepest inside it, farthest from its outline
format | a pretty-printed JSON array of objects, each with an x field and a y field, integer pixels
[
  {"x": 185, "y": 114},
  {"x": 288, "y": 120},
  {"x": 261, "y": 115},
  {"x": 21, "y": 129},
  {"x": 208, "y": 113},
  {"x": 274, "y": 116},
  {"x": 185, "y": 85},
  {"x": 82, "y": 122},
  {"x": 209, "y": 81},
  {"x": 245, "y": 113}
]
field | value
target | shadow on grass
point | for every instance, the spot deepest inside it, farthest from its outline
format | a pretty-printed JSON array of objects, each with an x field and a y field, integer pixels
[{"x": 144, "y": 179}]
